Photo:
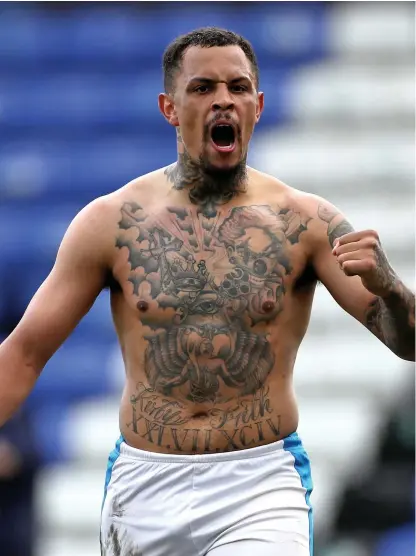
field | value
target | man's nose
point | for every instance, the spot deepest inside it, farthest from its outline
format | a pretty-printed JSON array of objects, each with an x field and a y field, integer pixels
[{"x": 222, "y": 100}]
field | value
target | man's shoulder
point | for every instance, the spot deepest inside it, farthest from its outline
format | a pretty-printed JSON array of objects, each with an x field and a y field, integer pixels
[
  {"x": 154, "y": 177},
  {"x": 286, "y": 195},
  {"x": 99, "y": 220},
  {"x": 139, "y": 189},
  {"x": 315, "y": 213}
]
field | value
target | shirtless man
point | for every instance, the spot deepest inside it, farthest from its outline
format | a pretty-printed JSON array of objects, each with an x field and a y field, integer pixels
[{"x": 212, "y": 268}]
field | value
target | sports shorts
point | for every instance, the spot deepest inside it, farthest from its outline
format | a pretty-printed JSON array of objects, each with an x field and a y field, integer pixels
[{"x": 253, "y": 502}]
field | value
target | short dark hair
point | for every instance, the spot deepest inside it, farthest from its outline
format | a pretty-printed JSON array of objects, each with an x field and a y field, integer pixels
[{"x": 205, "y": 37}]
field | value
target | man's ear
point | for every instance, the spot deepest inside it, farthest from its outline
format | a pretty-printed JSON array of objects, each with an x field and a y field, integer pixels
[
  {"x": 167, "y": 107},
  {"x": 260, "y": 106}
]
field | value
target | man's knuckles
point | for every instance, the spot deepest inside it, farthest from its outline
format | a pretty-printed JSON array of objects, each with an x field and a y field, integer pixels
[{"x": 358, "y": 267}]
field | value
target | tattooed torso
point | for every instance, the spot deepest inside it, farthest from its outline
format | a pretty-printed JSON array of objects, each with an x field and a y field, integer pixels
[{"x": 211, "y": 308}]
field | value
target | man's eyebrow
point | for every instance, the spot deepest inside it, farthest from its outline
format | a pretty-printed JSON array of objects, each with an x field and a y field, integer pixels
[
  {"x": 241, "y": 78},
  {"x": 201, "y": 80},
  {"x": 208, "y": 80}
]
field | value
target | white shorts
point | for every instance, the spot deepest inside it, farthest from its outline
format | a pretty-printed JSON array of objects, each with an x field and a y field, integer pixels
[{"x": 247, "y": 502}]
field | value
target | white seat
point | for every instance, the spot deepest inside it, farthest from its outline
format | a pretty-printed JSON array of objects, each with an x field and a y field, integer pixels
[
  {"x": 91, "y": 430},
  {"x": 69, "y": 498},
  {"x": 349, "y": 93},
  {"x": 342, "y": 431},
  {"x": 307, "y": 157},
  {"x": 342, "y": 364},
  {"x": 391, "y": 223},
  {"x": 328, "y": 317},
  {"x": 381, "y": 29},
  {"x": 327, "y": 489},
  {"x": 68, "y": 546}
]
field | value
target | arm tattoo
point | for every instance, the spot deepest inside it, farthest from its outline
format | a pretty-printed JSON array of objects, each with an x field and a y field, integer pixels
[
  {"x": 337, "y": 227},
  {"x": 385, "y": 274},
  {"x": 392, "y": 320}
]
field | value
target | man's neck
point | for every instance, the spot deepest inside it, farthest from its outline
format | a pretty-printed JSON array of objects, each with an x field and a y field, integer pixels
[{"x": 207, "y": 189}]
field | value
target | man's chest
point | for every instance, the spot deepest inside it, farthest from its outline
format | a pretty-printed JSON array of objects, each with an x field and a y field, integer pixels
[{"x": 242, "y": 260}]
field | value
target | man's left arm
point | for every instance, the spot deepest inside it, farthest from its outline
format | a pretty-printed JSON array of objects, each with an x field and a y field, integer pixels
[{"x": 355, "y": 270}]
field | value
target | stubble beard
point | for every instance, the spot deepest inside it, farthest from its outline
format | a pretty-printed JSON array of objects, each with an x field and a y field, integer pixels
[
  {"x": 207, "y": 185},
  {"x": 219, "y": 184}
]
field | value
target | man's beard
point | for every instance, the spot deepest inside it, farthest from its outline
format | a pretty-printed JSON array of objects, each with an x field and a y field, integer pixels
[
  {"x": 217, "y": 184},
  {"x": 212, "y": 184},
  {"x": 208, "y": 186}
]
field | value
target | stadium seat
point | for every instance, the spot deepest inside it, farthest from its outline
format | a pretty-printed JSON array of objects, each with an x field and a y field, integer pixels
[
  {"x": 135, "y": 34},
  {"x": 78, "y": 370},
  {"x": 87, "y": 169}
]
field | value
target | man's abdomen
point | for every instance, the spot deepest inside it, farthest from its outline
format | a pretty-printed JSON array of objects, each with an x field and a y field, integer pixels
[{"x": 157, "y": 423}]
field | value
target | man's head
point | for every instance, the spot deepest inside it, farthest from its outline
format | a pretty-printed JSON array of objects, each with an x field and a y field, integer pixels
[{"x": 211, "y": 81}]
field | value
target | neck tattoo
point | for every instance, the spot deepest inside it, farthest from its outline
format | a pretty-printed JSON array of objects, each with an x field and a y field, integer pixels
[{"x": 207, "y": 187}]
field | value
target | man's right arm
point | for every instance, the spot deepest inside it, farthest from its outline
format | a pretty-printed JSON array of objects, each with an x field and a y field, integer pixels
[{"x": 63, "y": 299}]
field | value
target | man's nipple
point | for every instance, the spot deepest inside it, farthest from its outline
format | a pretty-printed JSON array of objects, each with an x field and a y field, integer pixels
[
  {"x": 142, "y": 305},
  {"x": 268, "y": 306}
]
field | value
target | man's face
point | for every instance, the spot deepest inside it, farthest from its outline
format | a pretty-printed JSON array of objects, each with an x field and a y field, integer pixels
[{"x": 216, "y": 105}]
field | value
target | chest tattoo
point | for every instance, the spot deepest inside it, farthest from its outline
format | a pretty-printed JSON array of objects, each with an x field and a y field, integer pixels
[{"x": 201, "y": 283}]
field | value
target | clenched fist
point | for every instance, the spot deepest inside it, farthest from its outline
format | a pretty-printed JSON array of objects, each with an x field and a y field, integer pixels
[{"x": 360, "y": 254}]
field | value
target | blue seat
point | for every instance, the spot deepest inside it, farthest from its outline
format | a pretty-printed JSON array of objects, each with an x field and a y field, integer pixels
[
  {"x": 48, "y": 423},
  {"x": 73, "y": 170},
  {"x": 123, "y": 35},
  {"x": 25, "y": 279},
  {"x": 22, "y": 282},
  {"x": 31, "y": 235},
  {"x": 97, "y": 324},
  {"x": 4, "y": 288},
  {"x": 73, "y": 101},
  {"x": 126, "y": 33},
  {"x": 399, "y": 541},
  {"x": 79, "y": 369},
  {"x": 77, "y": 100},
  {"x": 28, "y": 257},
  {"x": 295, "y": 32},
  {"x": 30, "y": 240}
]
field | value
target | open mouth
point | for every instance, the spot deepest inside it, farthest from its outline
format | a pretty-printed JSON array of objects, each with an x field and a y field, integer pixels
[{"x": 223, "y": 137}]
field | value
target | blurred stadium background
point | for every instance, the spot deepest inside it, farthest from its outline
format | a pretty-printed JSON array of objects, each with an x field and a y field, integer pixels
[{"x": 79, "y": 118}]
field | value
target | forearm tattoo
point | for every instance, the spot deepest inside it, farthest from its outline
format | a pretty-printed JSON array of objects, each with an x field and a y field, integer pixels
[
  {"x": 215, "y": 282},
  {"x": 392, "y": 320}
]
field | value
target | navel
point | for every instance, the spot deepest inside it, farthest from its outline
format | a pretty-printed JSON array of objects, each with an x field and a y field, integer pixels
[{"x": 200, "y": 415}]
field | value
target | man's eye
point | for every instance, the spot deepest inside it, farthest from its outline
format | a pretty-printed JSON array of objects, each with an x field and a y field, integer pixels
[
  {"x": 239, "y": 88},
  {"x": 201, "y": 89}
]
